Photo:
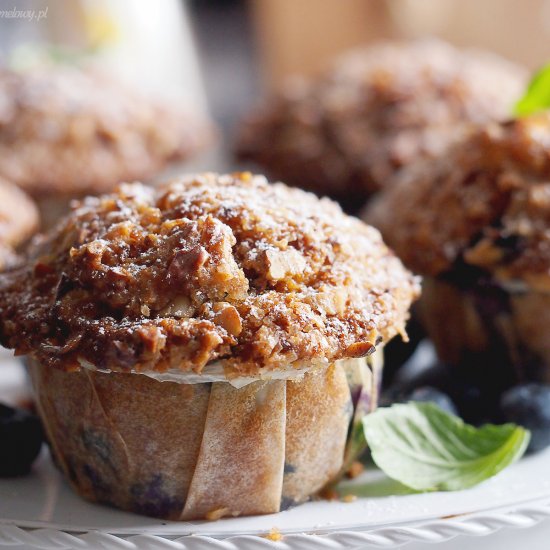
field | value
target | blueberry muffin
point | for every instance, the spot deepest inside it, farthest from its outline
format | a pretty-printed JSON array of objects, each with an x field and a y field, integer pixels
[
  {"x": 476, "y": 224},
  {"x": 18, "y": 221},
  {"x": 375, "y": 110},
  {"x": 201, "y": 349},
  {"x": 66, "y": 132}
]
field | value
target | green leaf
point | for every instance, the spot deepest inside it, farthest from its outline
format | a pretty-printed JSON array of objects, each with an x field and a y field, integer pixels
[
  {"x": 427, "y": 449},
  {"x": 537, "y": 96}
]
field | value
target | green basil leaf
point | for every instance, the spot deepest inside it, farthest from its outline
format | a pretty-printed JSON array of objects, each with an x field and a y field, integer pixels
[
  {"x": 427, "y": 449},
  {"x": 537, "y": 96}
]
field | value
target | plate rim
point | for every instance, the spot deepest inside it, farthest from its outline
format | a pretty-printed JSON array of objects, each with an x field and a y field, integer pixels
[{"x": 528, "y": 514}]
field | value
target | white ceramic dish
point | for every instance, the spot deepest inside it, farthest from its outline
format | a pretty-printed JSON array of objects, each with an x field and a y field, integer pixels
[{"x": 40, "y": 511}]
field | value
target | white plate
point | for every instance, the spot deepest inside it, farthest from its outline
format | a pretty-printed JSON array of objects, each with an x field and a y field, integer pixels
[{"x": 40, "y": 510}]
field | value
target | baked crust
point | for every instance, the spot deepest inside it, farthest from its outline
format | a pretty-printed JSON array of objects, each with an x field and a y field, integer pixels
[
  {"x": 375, "y": 110},
  {"x": 71, "y": 131},
  {"x": 485, "y": 203},
  {"x": 18, "y": 221},
  {"x": 205, "y": 268}
]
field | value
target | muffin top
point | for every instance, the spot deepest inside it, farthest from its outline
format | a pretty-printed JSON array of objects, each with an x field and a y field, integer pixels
[
  {"x": 375, "y": 110},
  {"x": 66, "y": 130},
  {"x": 485, "y": 204},
  {"x": 18, "y": 220},
  {"x": 210, "y": 268}
]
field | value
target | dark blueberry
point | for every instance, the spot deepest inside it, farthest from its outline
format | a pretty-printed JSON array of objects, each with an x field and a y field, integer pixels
[
  {"x": 97, "y": 445},
  {"x": 529, "y": 406},
  {"x": 287, "y": 503},
  {"x": 428, "y": 394},
  {"x": 152, "y": 499},
  {"x": 289, "y": 468},
  {"x": 473, "y": 391},
  {"x": 21, "y": 438},
  {"x": 392, "y": 395}
]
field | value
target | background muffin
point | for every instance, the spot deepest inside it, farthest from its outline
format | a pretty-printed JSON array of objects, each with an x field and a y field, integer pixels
[
  {"x": 475, "y": 223},
  {"x": 375, "y": 110},
  {"x": 18, "y": 221},
  {"x": 199, "y": 350},
  {"x": 67, "y": 132}
]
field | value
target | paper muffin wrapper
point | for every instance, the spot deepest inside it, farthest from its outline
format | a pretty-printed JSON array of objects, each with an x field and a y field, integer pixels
[
  {"x": 502, "y": 330},
  {"x": 191, "y": 451}
]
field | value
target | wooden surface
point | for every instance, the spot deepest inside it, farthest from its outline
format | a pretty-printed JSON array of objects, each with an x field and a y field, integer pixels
[{"x": 300, "y": 36}]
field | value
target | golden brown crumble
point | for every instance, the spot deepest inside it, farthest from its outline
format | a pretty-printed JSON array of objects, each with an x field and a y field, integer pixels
[
  {"x": 217, "y": 514},
  {"x": 274, "y": 535},
  {"x": 205, "y": 268},
  {"x": 486, "y": 203},
  {"x": 69, "y": 131}
]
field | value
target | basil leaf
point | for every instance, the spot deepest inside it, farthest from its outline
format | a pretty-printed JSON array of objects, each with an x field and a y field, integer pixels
[
  {"x": 426, "y": 448},
  {"x": 537, "y": 96}
]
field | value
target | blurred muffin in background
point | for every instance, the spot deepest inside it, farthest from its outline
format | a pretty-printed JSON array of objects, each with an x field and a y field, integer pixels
[
  {"x": 476, "y": 224},
  {"x": 375, "y": 110},
  {"x": 67, "y": 132},
  {"x": 18, "y": 221}
]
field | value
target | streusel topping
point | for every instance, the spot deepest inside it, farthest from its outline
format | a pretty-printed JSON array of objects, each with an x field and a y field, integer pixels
[
  {"x": 375, "y": 110},
  {"x": 486, "y": 204},
  {"x": 72, "y": 131},
  {"x": 205, "y": 268}
]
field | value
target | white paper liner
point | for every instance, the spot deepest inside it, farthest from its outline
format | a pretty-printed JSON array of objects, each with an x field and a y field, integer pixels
[{"x": 213, "y": 372}]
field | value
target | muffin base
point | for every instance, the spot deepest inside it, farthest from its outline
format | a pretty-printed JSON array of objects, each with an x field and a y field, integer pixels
[
  {"x": 500, "y": 332},
  {"x": 193, "y": 451}
]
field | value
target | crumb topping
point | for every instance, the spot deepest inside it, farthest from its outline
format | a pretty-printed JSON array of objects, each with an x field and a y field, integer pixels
[
  {"x": 205, "y": 268},
  {"x": 70, "y": 131},
  {"x": 375, "y": 110},
  {"x": 486, "y": 203}
]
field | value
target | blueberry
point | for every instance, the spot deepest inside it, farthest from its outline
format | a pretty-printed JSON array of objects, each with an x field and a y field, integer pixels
[
  {"x": 473, "y": 391},
  {"x": 428, "y": 394},
  {"x": 424, "y": 394},
  {"x": 21, "y": 437},
  {"x": 529, "y": 406}
]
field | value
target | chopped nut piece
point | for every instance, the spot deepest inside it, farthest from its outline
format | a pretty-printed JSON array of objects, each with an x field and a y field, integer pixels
[
  {"x": 180, "y": 307},
  {"x": 283, "y": 263},
  {"x": 349, "y": 498},
  {"x": 145, "y": 310},
  {"x": 274, "y": 535},
  {"x": 359, "y": 349},
  {"x": 228, "y": 318},
  {"x": 217, "y": 513}
]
